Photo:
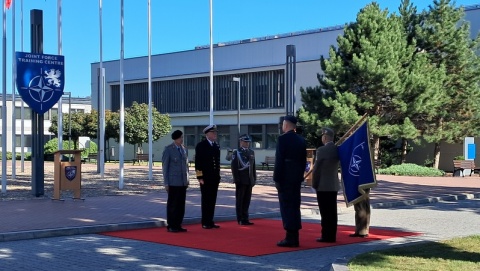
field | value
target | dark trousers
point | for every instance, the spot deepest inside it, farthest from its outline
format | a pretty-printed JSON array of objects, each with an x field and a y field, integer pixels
[
  {"x": 209, "y": 192},
  {"x": 289, "y": 197},
  {"x": 176, "y": 205},
  {"x": 327, "y": 203},
  {"x": 243, "y": 196}
]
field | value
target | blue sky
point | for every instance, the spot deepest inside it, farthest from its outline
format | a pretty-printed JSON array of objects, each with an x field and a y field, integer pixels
[{"x": 177, "y": 25}]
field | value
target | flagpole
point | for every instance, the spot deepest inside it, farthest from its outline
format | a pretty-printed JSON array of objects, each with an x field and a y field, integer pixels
[
  {"x": 122, "y": 101},
  {"x": 211, "y": 63},
  {"x": 150, "y": 136},
  {"x": 14, "y": 75},
  {"x": 4, "y": 99},
  {"x": 22, "y": 109},
  {"x": 60, "y": 101},
  {"x": 101, "y": 104},
  {"x": 352, "y": 129}
]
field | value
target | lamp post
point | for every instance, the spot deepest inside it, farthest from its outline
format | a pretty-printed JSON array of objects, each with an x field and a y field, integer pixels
[{"x": 237, "y": 79}]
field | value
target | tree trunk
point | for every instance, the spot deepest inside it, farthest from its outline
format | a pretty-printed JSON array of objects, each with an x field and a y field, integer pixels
[
  {"x": 436, "y": 155},
  {"x": 404, "y": 150},
  {"x": 376, "y": 147}
]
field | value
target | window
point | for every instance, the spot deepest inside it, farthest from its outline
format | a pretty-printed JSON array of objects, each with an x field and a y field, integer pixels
[
  {"x": 1, "y": 112},
  {"x": 256, "y": 132},
  {"x": 27, "y": 143},
  {"x": 272, "y": 136},
  {"x": 189, "y": 137},
  {"x": 27, "y": 113},
  {"x": 223, "y": 136}
]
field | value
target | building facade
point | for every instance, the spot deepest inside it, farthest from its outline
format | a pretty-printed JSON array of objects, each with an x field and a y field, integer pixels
[{"x": 181, "y": 86}]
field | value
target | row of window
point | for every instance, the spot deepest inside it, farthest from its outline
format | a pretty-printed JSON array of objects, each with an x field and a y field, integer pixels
[
  {"x": 258, "y": 90},
  {"x": 27, "y": 113}
]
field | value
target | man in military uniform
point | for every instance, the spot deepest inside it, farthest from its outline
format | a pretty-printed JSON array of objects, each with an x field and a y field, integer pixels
[
  {"x": 290, "y": 162},
  {"x": 207, "y": 168},
  {"x": 244, "y": 177}
]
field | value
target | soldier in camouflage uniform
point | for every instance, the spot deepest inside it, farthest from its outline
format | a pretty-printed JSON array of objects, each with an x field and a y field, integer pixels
[{"x": 244, "y": 177}]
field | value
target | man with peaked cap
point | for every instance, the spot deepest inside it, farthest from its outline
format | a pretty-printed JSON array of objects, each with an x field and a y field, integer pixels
[
  {"x": 290, "y": 162},
  {"x": 207, "y": 168},
  {"x": 325, "y": 181},
  {"x": 175, "y": 177},
  {"x": 244, "y": 177}
]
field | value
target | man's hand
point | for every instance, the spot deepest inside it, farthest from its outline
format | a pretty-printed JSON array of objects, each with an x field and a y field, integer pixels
[
  {"x": 166, "y": 188},
  {"x": 200, "y": 181}
]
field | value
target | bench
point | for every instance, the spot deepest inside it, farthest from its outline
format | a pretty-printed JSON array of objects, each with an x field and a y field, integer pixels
[
  {"x": 461, "y": 165},
  {"x": 91, "y": 156},
  {"x": 269, "y": 161},
  {"x": 141, "y": 157}
]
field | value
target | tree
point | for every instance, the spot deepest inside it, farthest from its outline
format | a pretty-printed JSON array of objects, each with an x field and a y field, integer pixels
[
  {"x": 75, "y": 128},
  {"x": 444, "y": 36},
  {"x": 136, "y": 124}
]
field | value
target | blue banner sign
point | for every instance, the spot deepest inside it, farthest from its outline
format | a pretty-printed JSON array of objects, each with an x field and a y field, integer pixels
[{"x": 40, "y": 79}]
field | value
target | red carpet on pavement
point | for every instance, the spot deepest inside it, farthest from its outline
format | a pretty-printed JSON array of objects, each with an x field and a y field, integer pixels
[{"x": 256, "y": 240}]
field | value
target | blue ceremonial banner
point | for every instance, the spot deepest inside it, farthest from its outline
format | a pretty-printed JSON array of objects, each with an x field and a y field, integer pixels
[
  {"x": 40, "y": 79},
  {"x": 356, "y": 165}
]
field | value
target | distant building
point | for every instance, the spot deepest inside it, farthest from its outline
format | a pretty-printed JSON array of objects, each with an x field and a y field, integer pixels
[
  {"x": 77, "y": 105},
  {"x": 180, "y": 86}
]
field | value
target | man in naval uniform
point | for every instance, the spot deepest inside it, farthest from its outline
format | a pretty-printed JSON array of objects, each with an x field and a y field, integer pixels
[
  {"x": 207, "y": 168},
  {"x": 244, "y": 177}
]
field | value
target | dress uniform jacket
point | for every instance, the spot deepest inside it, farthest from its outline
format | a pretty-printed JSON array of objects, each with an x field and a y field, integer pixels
[
  {"x": 290, "y": 162},
  {"x": 243, "y": 167},
  {"x": 325, "y": 169},
  {"x": 175, "y": 165},
  {"x": 207, "y": 161}
]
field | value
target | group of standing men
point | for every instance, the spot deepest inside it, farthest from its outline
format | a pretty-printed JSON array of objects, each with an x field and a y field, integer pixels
[{"x": 289, "y": 173}]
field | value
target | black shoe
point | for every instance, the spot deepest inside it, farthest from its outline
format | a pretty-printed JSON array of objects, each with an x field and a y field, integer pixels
[
  {"x": 182, "y": 229},
  {"x": 323, "y": 240},
  {"x": 215, "y": 226},
  {"x": 359, "y": 235},
  {"x": 172, "y": 229},
  {"x": 207, "y": 227},
  {"x": 286, "y": 243},
  {"x": 245, "y": 223}
]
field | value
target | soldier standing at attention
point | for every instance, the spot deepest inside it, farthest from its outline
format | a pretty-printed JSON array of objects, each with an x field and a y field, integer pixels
[
  {"x": 207, "y": 168},
  {"x": 290, "y": 162},
  {"x": 244, "y": 177}
]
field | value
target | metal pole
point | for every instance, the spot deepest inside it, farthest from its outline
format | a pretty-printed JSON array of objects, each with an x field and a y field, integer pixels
[
  {"x": 4, "y": 101},
  {"x": 150, "y": 121},
  {"x": 101, "y": 104},
  {"x": 211, "y": 63},
  {"x": 14, "y": 121},
  {"x": 22, "y": 109},
  {"x": 122, "y": 101},
  {"x": 60, "y": 101},
  {"x": 237, "y": 79}
]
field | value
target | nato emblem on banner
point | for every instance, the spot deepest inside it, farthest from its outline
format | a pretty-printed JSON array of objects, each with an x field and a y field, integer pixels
[
  {"x": 70, "y": 172},
  {"x": 356, "y": 165},
  {"x": 40, "y": 79}
]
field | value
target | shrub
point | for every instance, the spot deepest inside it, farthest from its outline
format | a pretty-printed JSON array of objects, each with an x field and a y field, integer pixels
[
  {"x": 459, "y": 157},
  {"x": 411, "y": 170}
]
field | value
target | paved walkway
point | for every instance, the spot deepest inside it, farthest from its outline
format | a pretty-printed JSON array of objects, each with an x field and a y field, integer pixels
[{"x": 36, "y": 218}]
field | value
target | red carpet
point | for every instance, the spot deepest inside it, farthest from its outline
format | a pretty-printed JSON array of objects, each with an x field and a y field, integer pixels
[{"x": 259, "y": 239}]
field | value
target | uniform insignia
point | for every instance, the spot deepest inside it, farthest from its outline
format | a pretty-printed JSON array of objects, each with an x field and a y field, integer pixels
[{"x": 70, "y": 172}]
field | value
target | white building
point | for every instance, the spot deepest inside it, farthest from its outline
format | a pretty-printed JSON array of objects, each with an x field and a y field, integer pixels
[
  {"x": 77, "y": 105},
  {"x": 180, "y": 86}
]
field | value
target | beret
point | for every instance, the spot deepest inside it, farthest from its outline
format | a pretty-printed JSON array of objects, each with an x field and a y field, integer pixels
[
  {"x": 245, "y": 138},
  {"x": 291, "y": 119},
  {"x": 327, "y": 131},
  {"x": 209, "y": 128},
  {"x": 177, "y": 134}
]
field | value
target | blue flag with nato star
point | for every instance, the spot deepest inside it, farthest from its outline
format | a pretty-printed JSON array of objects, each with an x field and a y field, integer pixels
[{"x": 356, "y": 165}]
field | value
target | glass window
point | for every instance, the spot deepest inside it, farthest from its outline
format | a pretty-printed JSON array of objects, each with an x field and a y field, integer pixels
[
  {"x": 27, "y": 113},
  {"x": 256, "y": 134},
  {"x": 27, "y": 143},
  {"x": 223, "y": 136},
  {"x": 272, "y": 136},
  {"x": 189, "y": 137},
  {"x": 1, "y": 113}
]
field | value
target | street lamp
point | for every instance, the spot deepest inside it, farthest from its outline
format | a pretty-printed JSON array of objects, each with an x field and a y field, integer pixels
[{"x": 237, "y": 79}]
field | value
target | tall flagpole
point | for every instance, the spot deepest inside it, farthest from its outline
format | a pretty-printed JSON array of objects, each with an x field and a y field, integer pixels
[
  {"x": 4, "y": 100},
  {"x": 101, "y": 104},
  {"x": 150, "y": 136},
  {"x": 211, "y": 63},
  {"x": 22, "y": 109},
  {"x": 60, "y": 101},
  {"x": 14, "y": 122},
  {"x": 122, "y": 101}
]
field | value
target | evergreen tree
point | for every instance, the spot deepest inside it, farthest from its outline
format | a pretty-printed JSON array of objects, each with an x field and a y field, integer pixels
[{"x": 444, "y": 37}]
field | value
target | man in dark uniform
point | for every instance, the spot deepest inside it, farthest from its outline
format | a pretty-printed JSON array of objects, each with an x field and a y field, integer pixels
[
  {"x": 207, "y": 168},
  {"x": 244, "y": 177},
  {"x": 290, "y": 162}
]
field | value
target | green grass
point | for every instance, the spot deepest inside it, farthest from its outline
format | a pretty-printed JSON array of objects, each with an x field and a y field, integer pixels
[{"x": 459, "y": 254}]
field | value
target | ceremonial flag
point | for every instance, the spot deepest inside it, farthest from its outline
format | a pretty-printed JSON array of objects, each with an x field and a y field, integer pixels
[
  {"x": 8, "y": 3},
  {"x": 356, "y": 165}
]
